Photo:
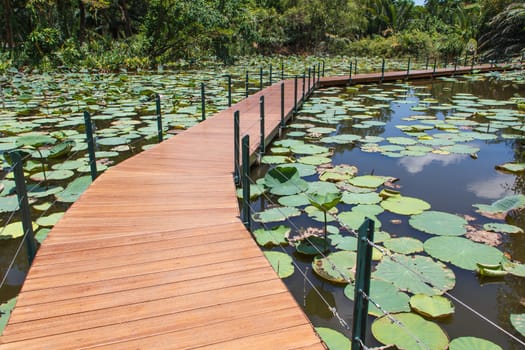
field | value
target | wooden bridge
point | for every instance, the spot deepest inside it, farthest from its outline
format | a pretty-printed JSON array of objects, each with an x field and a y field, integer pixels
[{"x": 154, "y": 255}]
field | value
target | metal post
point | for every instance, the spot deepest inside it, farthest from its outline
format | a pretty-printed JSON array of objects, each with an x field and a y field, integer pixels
[
  {"x": 159, "y": 117},
  {"x": 236, "y": 148},
  {"x": 455, "y": 64},
  {"x": 229, "y": 90},
  {"x": 261, "y": 119},
  {"x": 246, "y": 182},
  {"x": 318, "y": 72},
  {"x": 282, "y": 105},
  {"x": 282, "y": 70},
  {"x": 362, "y": 283},
  {"x": 383, "y": 70},
  {"x": 91, "y": 145},
  {"x": 309, "y": 81},
  {"x": 426, "y": 63},
  {"x": 355, "y": 66},
  {"x": 295, "y": 95},
  {"x": 271, "y": 75},
  {"x": 408, "y": 67},
  {"x": 313, "y": 76},
  {"x": 246, "y": 84},
  {"x": 350, "y": 77},
  {"x": 21, "y": 191},
  {"x": 260, "y": 78},
  {"x": 203, "y": 103},
  {"x": 323, "y": 69},
  {"x": 435, "y": 64},
  {"x": 466, "y": 58},
  {"x": 304, "y": 83}
]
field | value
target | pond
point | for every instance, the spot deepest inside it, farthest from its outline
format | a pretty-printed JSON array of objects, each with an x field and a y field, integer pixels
[{"x": 439, "y": 149}]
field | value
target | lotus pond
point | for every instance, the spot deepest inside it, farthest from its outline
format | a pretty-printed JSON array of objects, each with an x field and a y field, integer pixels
[{"x": 439, "y": 167}]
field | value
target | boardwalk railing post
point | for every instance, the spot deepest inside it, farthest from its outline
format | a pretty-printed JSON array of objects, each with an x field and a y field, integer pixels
[
  {"x": 246, "y": 84},
  {"x": 295, "y": 96},
  {"x": 362, "y": 283},
  {"x": 282, "y": 70},
  {"x": 355, "y": 66},
  {"x": 350, "y": 76},
  {"x": 434, "y": 70},
  {"x": 203, "y": 103},
  {"x": 91, "y": 145},
  {"x": 21, "y": 191},
  {"x": 309, "y": 80},
  {"x": 236, "y": 148},
  {"x": 313, "y": 76},
  {"x": 318, "y": 72},
  {"x": 455, "y": 64},
  {"x": 261, "y": 109},
  {"x": 323, "y": 69},
  {"x": 271, "y": 75},
  {"x": 246, "y": 182},
  {"x": 260, "y": 78},
  {"x": 304, "y": 83},
  {"x": 426, "y": 63},
  {"x": 282, "y": 105},
  {"x": 472, "y": 65},
  {"x": 229, "y": 90},
  {"x": 383, "y": 70},
  {"x": 408, "y": 67},
  {"x": 159, "y": 117}
]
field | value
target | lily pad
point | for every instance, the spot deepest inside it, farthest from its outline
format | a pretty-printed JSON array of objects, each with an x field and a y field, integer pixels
[
  {"x": 439, "y": 223},
  {"x": 314, "y": 160},
  {"x": 502, "y": 206},
  {"x": 52, "y": 175},
  {"x": 313, "y": 245},
  {"x": 503, "y": 228},
  {"x": 275, "y": 236},
  {"x": 5, "y": 312},
  {"x": 14, "y": 230},
  {"x": 518, "y": 321},
  {"x": 8, "y": 204},
  {"x": 405, "y": 205},
  {"x": 294, "y": 200},
  {"x": 410, "y": 332},
  {"x": 282, "y": 263},
  {"x": 434, "y": 306},
  {"x": 74, "y": 189},
  {"x": 416, "y": 274},
  {"x": 309, "y": 149},
  {"x": 462, "y": 252},
  {"x": 284, "y": 181},
  {"x": 511, "y": 167},
  {"x": 469, "y": 343},
  {"x": 333, "y": 339},
  {"x": 361, "y": 198},
  {"x": 385, "y": 294},
  {"x": 338, "y": 267},
  {"x": 369, "y": 181},
  {"x": 50, "y": 220},
  {"x": 404, "y": 245},
  {"x": 276, "y": 214},
  {"x": 41, "y": 234}
]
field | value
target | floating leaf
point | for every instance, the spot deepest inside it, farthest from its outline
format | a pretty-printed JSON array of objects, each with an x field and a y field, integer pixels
[
  {"x": 313, "y": 245},
  {"x": 276, "y": 214},
  {"x": 35, "y": 140},
  {"x": 309, "y": 149},
  {"x": 431, "y": 306},
  {"x": 462, "y": 252},
  {"x": 112, "y": 141},
  {"x": 5, "y": 312},
  {"x": 369, "y": 181},
  {"x": 501, "y": 206},
  {"x": 503, "y": 228},
  {"x": 41, "y": 234},
  {"x": 324, "y": 200},
  {"x": 333, "y": 339},
  {"x": 354, "y": 219},
  {"x": 314, "y": 160},
  {"x": 52, "y": 175},
  {"x": 404, "y": 245},
  {"x": 74, "y": 189},
  {"x": 511, "y": 167},
  {"x": 14, "y": 230},
  {"x": 415, "y": 273},
  {"x": 282, "y": 263},
  {"x": 61, "y": 150},
  {"x": 8, "y": 204},
  {"x": 361, "y": 198},
  {"x": 411, "y": 330},
  {"x": 337, "y": 267},
  {"x": 284, "y": 181},
  {"x": 385, "y": 294},
  {"x": 405, "y": 205},
  {"x": 469, "y": 343},
  {"x": 439, "y": 223},
  {"x": 275, "y": 236},
  {"x": 294, "y": 200},
  {"x": 50, "y": 220}
]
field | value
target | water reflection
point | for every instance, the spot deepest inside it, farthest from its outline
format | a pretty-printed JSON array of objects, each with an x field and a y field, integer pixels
[
  {"x": 492, "y": 188},
  {"x": 415, "y": 165}
]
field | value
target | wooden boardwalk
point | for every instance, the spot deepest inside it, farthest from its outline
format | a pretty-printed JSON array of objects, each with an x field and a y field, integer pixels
[{"x": 153, "y": 255}]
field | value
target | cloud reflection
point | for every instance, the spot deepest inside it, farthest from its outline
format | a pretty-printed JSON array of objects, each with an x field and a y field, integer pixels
[
  {"x": 415, "y": 165},
  {"x": 493, "y": 188}
]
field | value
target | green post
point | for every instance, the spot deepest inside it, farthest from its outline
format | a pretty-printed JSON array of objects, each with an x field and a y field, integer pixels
[
  {"x": 383, "y": 70},
  {"x": 295, "y": 96},
  {"x": 282, "y": 105},
  {"x": 21, "y": 191},
  {"x": 229, "y": 90},
  {"x": 260, "y": 78},
  {"x": 355, "y": 66},
  {"x": 271, "y": 75},
  {"x": 362, "y": 283},
  {"x": 159, "y": 117},
  {"x": 435, "y": 64},
  {"x": 246, "y": 182},
  {"x": 304, "y": 86},
  {"x": 323, "y": 69},
  {"x": 236, "y": 148},
  {"x": 350, "y": 77},
  {"x": 455, "y": 64},
  {"x": 313, "y": 75},
  {"x": 472, "y": 65},
  {"x": 426, "y": 63},
  {"x": 91, "y": 145},
  {"x": 261, "y": 119},
  {"x": 408, "y": 67},
  {"x": 246, "y": 84},
  {"x": 309, "y": 80},
  {"x": 203, "y": 103},
  {"x": 318, "y": 72}
]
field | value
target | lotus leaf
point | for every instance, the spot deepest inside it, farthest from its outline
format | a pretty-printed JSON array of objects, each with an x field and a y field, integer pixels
[
  {"x": 282, "y": 263},
  {"x": 503, "y": 228},
  {"x": 52, "y": 175},
  {"x": 50, "y": 220},
  {"x": 43, "y": 206},
  {"x": 341, "y": 139},
  {"x": 369, "y": 181},
  {"x": 405, "y": 141},
  {"x": 461, "y": 149},
  {"x": 368, "y": 209},
  {"x": 405, "y": 205},
  {"x": 336, "y": 267},
  {"x": 69, "y": 165},
  {"x": 61, "y": 150},
  {"x": 274, "y": 236},
  {"x": 411, "y": 332},
  {"x": 385, "y": 294},
  {"x": 338, "y": 173},
  {"x": 354, "y": 219},
  {"x": 344, "y": 243},
  {"x": 324, "y": 200},
  {"x": 41, "y": 234},
  {"x": 511, "y": 167},
  {"x": 416, "y": 274},
  {"x": 404, "y": 245},
  {"x": 469, "y": 343},
  {"x": 5, "y": 312},
  {"x": 361, "y": 198},
  {"x": 518, "y": 321},
  {"x": 319, "y": 215},
  {"x": 276, "y": 214},
  {"x": 309, "y": 149},
  {"x": 284, "y": 181},
  {"x": 35, "y": 140},
  {"x": 434, "y": 306},
  {"x": 303, "y": 169},
  {"x": 256, "y": 190},
  {"x": 313, "y": 245},
  {"x": 8, "y": 204},
  {"x": 333, "y": 339},
  {"x": 294, "y": 200},
  {"x": 14, "y": 230},
  {"x": 462, "y": 252},
  {"x": 501, "y": 206},
  {"x": 74, "y": 189},
  {"x": 275, "y": 160},
  {"x": 439, "y": 223},
  {"x": 314, "y": 160},
  {"x": 321, "y": 187}
]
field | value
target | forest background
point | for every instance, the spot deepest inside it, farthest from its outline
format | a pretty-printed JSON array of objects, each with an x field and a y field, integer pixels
[{"x": 142, "y": 34}]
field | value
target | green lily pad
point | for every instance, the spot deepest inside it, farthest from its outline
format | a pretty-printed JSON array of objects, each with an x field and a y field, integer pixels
[
  {"x": 461, "y": 149},
  {"x": 338, "y": 173},
  {"x": 405, "y": 141},
  {"x": 411, "y": 273},
  {"x": 333, "y": 339},
  {"x": 74, "y": 189},
  {"x": 354, "y": 219},
  {"x": 282, "y": 263},
  {"x": 341, "y": 139},
  {"x": 50, "y": 220},
  {"x": 314, "y": 160},
  {"x": 404, "y": 245},
  {"x": 385, "y": 294},
  {"x": 313, "y": 245},
  {"x": 502, "y": 206},
  {"x": 35, "y": 140},
  {"x": 69, "y": 165},
  {"x": 61, "y": 150},
  {"x": 462, "y": 252},
  {"x": 275, "y": 236},
  {"x": 409, "y": 332},
  {"x": 52, "y": 175},
  {"x": 275, "y": 160},
  {"x": 469, "y": 343},
  {"x": 309, "y": 149},
  {"x": 369, "y": 181},
  {"x": 5, "y": 312},
  {"x": 323, "y": 200},
  {"x": 8, "y": 204},
  {"x": 434, "y": 306},
  {"x": 112, "y": 141},
  {"x": 338, "y": 267},
  {"x": 41, "y": 234},
  {"x": 256, "y": 190},
  {"x": 503, "y": 228},
  {"x": 518, "y": 321},
  {"x": 361, "y": 198},
  {"x": 511, "y": 167},
  {"x": 405, "y": 205},
  {"x": 439, "y": 223},
  {"x": 276, "y": 214},
  {"x": 294, "y": 200},
  {"x": 285, "y": 181},
  {"x": 303, "y": 169},
  {"x": 14, "y": 230}
]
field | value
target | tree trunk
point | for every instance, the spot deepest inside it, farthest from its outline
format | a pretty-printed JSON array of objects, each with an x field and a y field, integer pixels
[
  {"x": 82, "y": 22},
  {"x": 9, "y": 25}
]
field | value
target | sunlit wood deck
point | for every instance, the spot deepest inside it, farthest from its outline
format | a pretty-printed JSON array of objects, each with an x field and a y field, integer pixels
[{"x": 154, "y": 255}]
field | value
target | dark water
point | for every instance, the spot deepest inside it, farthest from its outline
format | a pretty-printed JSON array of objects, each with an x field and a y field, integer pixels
[{"x": 450, "y": 183}]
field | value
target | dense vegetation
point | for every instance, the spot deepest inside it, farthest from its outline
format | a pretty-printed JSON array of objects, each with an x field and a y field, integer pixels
[{"x": 112, "y": 34}]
